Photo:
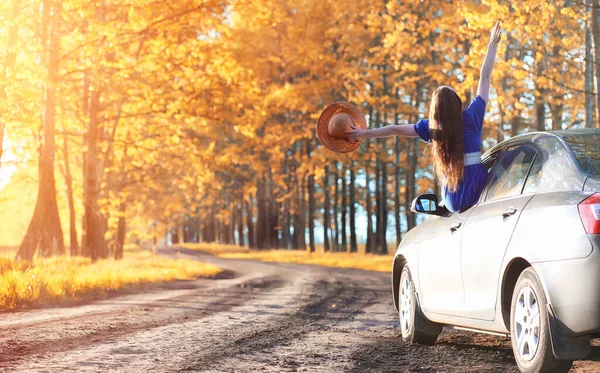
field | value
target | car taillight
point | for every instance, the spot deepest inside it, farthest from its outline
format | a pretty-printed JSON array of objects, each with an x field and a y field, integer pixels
[{"x": 589, "y": 211}]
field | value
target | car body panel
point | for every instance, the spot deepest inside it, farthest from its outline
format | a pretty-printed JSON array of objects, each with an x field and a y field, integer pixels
[
  {"x": 486, "y": 237},
  {"x": 550, "y": 229},
  {"x": 439, "y": 266},
  {"x": 573, "y": 289},
  {"x": 591, "y": 185},
  {"x": 406, "y": 254},
  {"x": 496, "y": 326}
]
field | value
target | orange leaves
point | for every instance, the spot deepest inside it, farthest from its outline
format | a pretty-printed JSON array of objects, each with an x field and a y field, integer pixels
[{"x": 220, "y": 93}]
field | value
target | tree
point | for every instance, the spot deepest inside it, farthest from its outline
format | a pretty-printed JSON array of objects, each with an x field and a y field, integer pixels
[
  {"x": 595, "y": 29},
  {"x": 44, "y": 229}
]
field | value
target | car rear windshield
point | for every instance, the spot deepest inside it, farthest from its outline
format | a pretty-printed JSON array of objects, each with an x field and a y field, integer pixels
[{"x": 587, "y": 151}]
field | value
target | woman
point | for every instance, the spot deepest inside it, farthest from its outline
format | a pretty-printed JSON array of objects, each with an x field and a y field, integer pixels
[{"x": 455, "y": 135}]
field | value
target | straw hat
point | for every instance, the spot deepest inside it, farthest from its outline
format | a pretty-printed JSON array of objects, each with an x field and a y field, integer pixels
[{"x": 334, "y": 121}]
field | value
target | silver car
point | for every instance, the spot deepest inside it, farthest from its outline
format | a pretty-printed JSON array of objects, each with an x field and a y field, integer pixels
[{"x": 524, "y": 261}]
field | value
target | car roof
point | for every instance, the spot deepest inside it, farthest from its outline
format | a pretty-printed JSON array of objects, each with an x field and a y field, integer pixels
[{"x": 560, "y": 134}]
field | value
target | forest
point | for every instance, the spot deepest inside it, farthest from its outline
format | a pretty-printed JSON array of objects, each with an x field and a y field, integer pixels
[{"x": 135, "y": 120}]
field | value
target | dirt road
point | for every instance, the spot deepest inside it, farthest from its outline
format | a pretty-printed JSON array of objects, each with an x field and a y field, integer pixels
[{"x": 265, "y": 318}]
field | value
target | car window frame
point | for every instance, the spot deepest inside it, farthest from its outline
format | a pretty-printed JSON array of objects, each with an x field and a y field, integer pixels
[
  {"x": 537, "y": 154},
  {"x": 484, "y": 195}
]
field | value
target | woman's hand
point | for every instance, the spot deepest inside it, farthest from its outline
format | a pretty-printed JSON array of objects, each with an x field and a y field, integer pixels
[
  {"x": 496, "y": 33},
  {"x": 355, "y": 134}
]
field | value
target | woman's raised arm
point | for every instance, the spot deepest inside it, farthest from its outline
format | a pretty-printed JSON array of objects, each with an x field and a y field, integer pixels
[
  {"x": 483, "y": 89},
  {"x": 406, "y": 130}
]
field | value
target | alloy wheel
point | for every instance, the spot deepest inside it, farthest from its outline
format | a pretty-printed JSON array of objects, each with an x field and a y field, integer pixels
[
  {"x": 405, "y": 307},
  {"x": 527, "y": 323}
]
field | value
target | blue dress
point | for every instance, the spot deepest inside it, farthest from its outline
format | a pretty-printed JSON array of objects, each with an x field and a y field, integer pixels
[{"x": 470, "y": 187}]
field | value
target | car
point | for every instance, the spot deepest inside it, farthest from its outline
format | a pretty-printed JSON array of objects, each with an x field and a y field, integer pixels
[{"x": 523, "y": 262}]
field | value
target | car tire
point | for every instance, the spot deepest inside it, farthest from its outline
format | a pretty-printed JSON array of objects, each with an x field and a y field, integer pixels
[
  {"x": 413, "y": 323},
  {"x": 530, "y": 330}
]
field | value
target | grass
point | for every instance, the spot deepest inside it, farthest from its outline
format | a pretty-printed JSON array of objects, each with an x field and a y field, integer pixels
[
  {"x": 380, "y": 263},
  {"x": 370, "y": 262},
  {"x": 61, "y": 280},
  {"x": 214, "y": 248}
]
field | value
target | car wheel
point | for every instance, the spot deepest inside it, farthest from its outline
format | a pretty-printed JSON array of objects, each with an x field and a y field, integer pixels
[
  {"x": 529, "y": 328},
  {"x": 411, "y": 317}
]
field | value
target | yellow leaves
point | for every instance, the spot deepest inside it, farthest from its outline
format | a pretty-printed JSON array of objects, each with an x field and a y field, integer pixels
[
  {"x": 519, "y": 105},
  {"x": 390, "y": 6},
  {"x": 220, "y": 102},
  {"x": 245, "y": 130},
  {"x": 319, "y": 173},
  {"x": 211, "y": 147},
  {"x": 250, "y": 192},
  {"x": 569, "y": 12},
  {"x": 520, "y": 74}
]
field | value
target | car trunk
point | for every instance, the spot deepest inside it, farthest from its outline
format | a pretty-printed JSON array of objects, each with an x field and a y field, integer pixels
[{"x": 592, "y": 184}]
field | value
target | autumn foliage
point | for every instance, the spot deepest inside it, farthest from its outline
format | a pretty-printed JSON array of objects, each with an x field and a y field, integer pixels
[{"x": 196, "y": 118}]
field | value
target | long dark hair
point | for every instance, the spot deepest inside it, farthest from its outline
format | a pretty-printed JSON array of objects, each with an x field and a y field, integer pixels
[{"x": 445, "y": 123}]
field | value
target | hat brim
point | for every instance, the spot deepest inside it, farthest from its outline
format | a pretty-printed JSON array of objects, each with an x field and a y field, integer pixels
[{"x": 335, "y": 144}]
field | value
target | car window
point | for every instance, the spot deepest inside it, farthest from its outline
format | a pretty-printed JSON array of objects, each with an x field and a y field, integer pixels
[
  {"x": 535, "y": 176},
  {"x": 587, "y": 152},
  {"x": 509, "y": 172},
  {"x": 559, "y": 168}
]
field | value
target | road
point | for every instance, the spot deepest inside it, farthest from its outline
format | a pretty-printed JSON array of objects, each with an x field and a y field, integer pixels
[{"x": 264, "y": 317}]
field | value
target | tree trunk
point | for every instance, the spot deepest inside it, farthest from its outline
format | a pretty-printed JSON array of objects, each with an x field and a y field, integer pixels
[
  {"x": 377, "y": 237},
  {"x": 540, "y": 113},
  {"x": 268, "y": 218},
  {"x": 240, "y": 224},
  {"x": 69, "y": 184},
  {"x": 515, "y": 125},
  {"x": 230, "y": 227},
  {"x": 44, "y": 229},
  {"x": 368, "y": 206},
  {"x": 397, "y": 189},
  {"x": 311, "y": 204},
  {"x": 384, "y": 176},
  {"x": 296, "y": 216},
  {"x": 336, "y": 198},
  {"x": 174, "y": 235},
  {"x": 287, "y": 236},
  {"x": 249, "y": 224},
  {"x": 213, "y": 225},
  {"x": 326, "y": 219},
  {"x": 120, "y": 237},
  {"x": 199, "y": 226},
  {"x": 220, "y": 231},
  {"x": 344, "y": 211},
  {"x": 595, "y": 23},
  {"x": 353, "y": 241},
  {"x": 540, "y": 102},
  {"x": 9, "y": 62},
  {"x": 556, "y": 111},
  {"x": 589, "y": 77},
  {"x": 93, "y": 245},
  {"x": 384, "y": 210},
  {"x": 302, "y": 233},
  {"x": 273, "y": 215},
  {"x": 261, "y": 221},
  {"x": 410, "y": 184}
]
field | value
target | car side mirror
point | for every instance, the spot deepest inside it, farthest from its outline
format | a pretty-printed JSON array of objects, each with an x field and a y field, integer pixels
[{"x": 426, "y": 204}]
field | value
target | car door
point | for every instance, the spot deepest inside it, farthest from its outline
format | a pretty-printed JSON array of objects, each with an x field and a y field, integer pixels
[
  {"x": 440, "y": 278},
  {"x": 489, "y": 227}
]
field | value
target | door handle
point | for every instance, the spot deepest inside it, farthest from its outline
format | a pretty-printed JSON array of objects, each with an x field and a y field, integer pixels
[
  {"x": 455, "y": 226},
  {"x": 509, "y": 211}
]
